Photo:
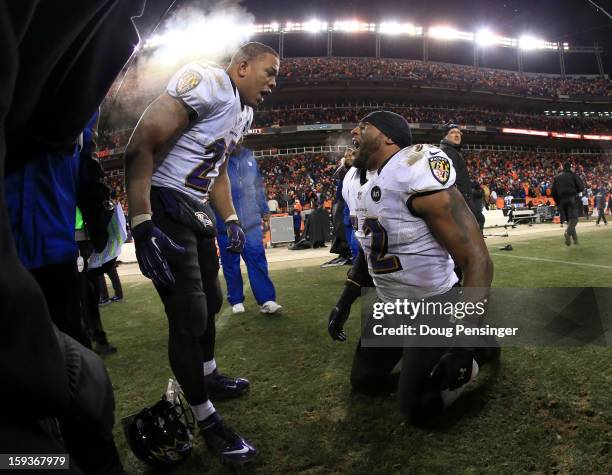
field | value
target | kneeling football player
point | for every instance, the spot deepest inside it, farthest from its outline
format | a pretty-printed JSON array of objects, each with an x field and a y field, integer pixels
[{"x": 413, "y": 227}]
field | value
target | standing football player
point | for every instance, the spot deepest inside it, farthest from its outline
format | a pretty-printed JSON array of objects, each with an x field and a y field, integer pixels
[
  {"x": 175, "y": 165},
  {"x": 413, "y": 227}
]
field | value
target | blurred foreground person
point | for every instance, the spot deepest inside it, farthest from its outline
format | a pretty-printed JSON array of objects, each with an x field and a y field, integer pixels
[
  {"x": 253, "y": 212},
  {"x": 52, "y": 65}
]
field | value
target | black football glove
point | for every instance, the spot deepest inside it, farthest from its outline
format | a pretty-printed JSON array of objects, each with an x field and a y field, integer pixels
[
  {"x": 454, "y": 368},
  {"x": 335, "y": 325},
  {"x": 340, "y": 313},
  {"x": 152, "y": 248},
  {"x": 236, "y": 236}
]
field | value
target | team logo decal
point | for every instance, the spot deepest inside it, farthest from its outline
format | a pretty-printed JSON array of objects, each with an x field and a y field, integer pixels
[
  {"x": 188, "y": 80},
  {"x": 203, "y": 218},
  {"x": 440, "y": 168},
  {"x": 376, "y": 193}
]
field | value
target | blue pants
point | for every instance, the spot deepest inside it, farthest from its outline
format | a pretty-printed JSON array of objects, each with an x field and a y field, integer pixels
[{"x": 254, "y": 256}]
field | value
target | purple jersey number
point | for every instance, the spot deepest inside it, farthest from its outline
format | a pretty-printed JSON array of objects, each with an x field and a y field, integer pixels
[
  {"x": 379, "y": 261},
  {"x": 218, "y": 150}
]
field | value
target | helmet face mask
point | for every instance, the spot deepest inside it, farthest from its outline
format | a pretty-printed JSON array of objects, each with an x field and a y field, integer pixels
[{"x": 161, "y": 435}]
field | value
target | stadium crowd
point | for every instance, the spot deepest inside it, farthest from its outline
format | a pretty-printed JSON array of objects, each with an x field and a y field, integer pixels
[
  {"x": 530, "y": 174},
  {"x": 465, "y": 76},
  {"x": 347, "y": 113},
  {"x": 129, "y": 96},
  {"x": 436, "y": 115},
  {"x": 309, "y": 177}
]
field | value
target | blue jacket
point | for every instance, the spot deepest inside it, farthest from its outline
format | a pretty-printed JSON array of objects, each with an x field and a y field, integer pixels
[
  {"x": 41, "y": 200},
  {"x": 248, "y": 192}
]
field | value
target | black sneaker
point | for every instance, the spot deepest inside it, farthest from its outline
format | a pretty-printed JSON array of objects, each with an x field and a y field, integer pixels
[
  {"x": 116, "y": 299},
  {"x": 222, "y": 440},
  {"x": 568, "y": 242},
  {"x": 336, "y": 262},
  {"x": 222, "y": 387},
  {"x": 331, "y": 263},
  {"x": 103, "y": 302}
]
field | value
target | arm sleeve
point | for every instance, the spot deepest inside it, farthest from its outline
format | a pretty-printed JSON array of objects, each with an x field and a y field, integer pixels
[{"x": 358, "y": 274}]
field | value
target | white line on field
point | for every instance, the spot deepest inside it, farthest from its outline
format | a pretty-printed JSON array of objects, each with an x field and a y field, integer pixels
[{"x": 552, "y": 260}]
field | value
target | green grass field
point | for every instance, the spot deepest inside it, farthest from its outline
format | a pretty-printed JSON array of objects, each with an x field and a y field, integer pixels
[{"x": 544, "y": 410}]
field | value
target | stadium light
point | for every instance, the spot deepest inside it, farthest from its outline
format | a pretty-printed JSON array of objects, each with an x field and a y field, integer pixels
[
  {"x": 221, "y": 24},
  {"x": 266, "y": 28},
  {"x": 315, "y": 26},
  {"x": 353, "y": 26},
  {"x": 527, "y": 42},
  {"x": 485, "y": 38},
  {"x": 448, "y": 33},
  {"x": 395, "y": 28}
]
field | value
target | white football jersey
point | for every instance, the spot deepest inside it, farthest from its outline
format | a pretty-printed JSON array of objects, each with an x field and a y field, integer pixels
[
  {"x": 193, "y": 162},
  {"x": 404, "y": 259}
]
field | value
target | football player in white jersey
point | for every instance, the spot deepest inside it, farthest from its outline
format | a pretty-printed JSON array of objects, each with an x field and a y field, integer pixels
[
  {"x": 413, "y": 225},
  {"x": 175, "y": 167}
]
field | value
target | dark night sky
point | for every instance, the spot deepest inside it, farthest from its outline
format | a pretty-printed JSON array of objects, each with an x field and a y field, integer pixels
[{"x": 575, "y": 21}]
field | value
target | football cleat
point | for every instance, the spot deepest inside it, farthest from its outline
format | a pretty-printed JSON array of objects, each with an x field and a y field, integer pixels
[
  {"x": 270, "y": 307},
  {"x": 220, "y": 439},
  {"x": 222, "y": 387}
]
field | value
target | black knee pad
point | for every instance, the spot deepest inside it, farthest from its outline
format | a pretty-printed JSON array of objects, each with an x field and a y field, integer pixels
[
  {"x": 187, "y": 313},
  {"x": 367, "y": 380}
]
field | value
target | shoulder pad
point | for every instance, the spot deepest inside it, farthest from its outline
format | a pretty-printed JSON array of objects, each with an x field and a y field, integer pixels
[
  {"x": 201, "y": 87},
  {"x": 421, "y": 168}
]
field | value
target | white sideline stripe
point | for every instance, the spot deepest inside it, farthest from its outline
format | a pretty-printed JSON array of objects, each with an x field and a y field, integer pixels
[{"x": 601, "y": 266}]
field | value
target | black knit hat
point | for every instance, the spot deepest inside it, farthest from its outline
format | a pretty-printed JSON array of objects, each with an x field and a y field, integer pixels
[
  {"x": 392, "y": 125},
  {"x": 446, "y": 128}
]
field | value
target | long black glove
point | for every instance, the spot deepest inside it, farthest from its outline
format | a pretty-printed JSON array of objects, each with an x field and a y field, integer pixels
[
  {"x": 335, "y": 326},
  {"x": 340, "y": 313},
  {"x": 357, "y": 277}
]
